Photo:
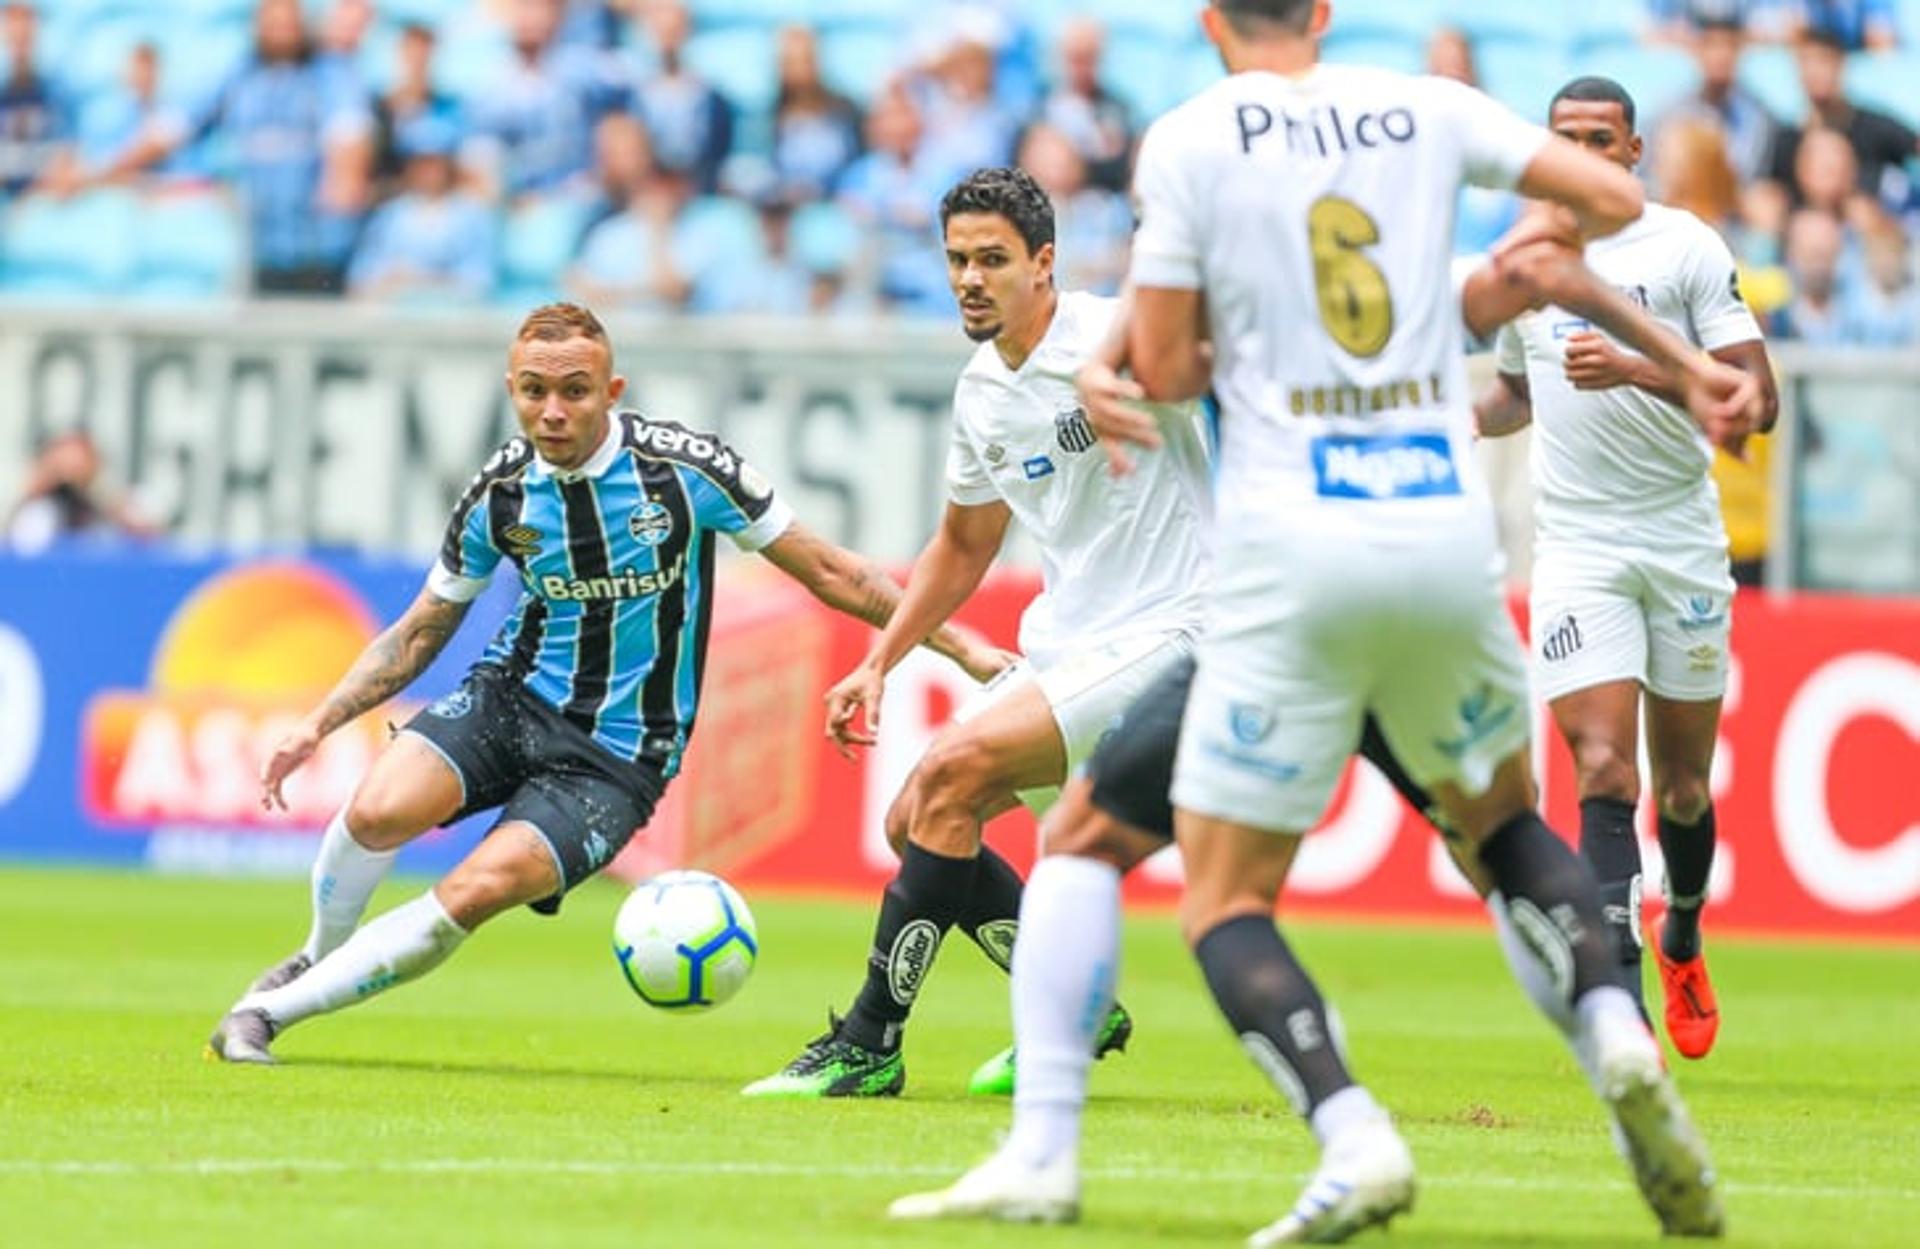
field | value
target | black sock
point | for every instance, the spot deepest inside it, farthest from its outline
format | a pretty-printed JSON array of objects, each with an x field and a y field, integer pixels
[
  {"x": 991, "y": 915},
  {"x": 1553, "y": 903},
  {"x": 1608, "y": 842},
  {"x": 1689, "y": 853},
  {"x": 1274, "y": 1009},
  {"x": 922, "y": 901}
]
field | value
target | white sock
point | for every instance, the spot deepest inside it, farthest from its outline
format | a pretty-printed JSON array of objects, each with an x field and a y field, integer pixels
[
  {"x": 345, "y": 874},
  {"x": 1606, "y": 1002},
  {"x": 408, "y": 941},
  {"x": 1534, "y": 975},
  {"x": 1345, "y": 1110},
  {"x": 1065, "y": 963}
]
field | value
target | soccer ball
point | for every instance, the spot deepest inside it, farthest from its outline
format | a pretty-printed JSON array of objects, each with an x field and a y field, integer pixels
[{"x": 685, "y": 941}]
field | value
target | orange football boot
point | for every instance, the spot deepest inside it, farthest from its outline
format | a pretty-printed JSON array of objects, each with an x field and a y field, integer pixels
[{"x": 1693, "y": 1014}]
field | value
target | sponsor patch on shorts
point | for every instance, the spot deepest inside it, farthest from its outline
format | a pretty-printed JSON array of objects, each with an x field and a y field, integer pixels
[{"x": 1385, "y": 466}]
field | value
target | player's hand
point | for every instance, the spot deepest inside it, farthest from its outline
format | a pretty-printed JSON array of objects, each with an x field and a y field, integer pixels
[
  {"x": 288, "y": 754},
  {"x": 1593, "y": 363},
  {"x": 1114, "y": 411},
  {"x": 1726, "y": 401},
  {"x": 985, "y": 662},
  {"x": 853, "y": 709}
]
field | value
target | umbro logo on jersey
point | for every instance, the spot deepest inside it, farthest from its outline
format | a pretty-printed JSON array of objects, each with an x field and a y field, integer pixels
[
  {"x": 651, "y": 524},
  {"x": 1073, "y": 431},
  {"x": 1563, "y": 640},
  {"x": 521, "y": 541}
]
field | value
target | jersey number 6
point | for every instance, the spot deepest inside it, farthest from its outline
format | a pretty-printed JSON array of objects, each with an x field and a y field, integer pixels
[{"x": 1355, "y": 304}]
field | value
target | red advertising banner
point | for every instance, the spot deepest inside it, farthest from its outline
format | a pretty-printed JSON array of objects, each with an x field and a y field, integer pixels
[{"x": 1817, "y": 776}]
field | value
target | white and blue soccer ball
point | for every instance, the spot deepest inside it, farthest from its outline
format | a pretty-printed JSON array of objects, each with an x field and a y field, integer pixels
[{"x": 685, "y": 941}]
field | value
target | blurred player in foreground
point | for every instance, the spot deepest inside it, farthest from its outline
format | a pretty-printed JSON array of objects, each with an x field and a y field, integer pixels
[
  {"x": 1119, "y": 813},
  {"x": 1632, "y": 588},
  {"x": 578, "y": 714}
]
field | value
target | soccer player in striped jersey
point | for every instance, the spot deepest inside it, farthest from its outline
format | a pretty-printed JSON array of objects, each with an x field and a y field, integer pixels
[{"x": 578, "y": 714}]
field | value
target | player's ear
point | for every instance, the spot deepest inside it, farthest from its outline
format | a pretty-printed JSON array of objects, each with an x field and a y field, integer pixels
[
  {"x": 1043, "y": 265},
  {"x": 616, "y": 386},
  {"x": 1322, "y": 15},
  {"x": 1636, "y": 147}
]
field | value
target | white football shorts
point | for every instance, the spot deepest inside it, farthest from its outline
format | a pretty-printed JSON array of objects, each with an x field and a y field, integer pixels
[
  {"x": 1308, "y": 634},
  {"x": 1088, "y": 691},
  {"x": 1604, "y": 612}
]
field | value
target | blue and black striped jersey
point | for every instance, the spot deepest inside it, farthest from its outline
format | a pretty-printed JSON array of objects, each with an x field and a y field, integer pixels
[{"x": 616, "y": 572}]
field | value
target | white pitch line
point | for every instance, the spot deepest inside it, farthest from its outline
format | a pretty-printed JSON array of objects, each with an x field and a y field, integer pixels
[{"x": 63, "y": 1167}]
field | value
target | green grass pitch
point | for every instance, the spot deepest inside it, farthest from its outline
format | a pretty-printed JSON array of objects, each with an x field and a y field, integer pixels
[{"x": 522, "y": 1096}]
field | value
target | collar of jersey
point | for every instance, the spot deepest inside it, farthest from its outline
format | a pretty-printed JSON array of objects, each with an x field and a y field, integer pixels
[{"x": 597, "y": 463}]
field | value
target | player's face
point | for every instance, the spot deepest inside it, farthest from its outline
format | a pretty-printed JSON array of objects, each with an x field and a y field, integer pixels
[
  {"x": 562, "y": 392},
  {"x": 1600, "y": 126},
  {"x": 995, "y": 279}
]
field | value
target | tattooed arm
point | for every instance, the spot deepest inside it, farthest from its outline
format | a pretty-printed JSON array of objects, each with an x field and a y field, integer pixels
[
  {"x": 388, "y": 665},
  {"x": 855, "y": 585}
]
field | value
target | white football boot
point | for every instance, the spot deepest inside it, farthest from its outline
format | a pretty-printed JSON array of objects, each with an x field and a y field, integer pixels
[
  {"x": 1652, "y": 1129},
  {"x": 1365, "y": 1179},
  {"x": 1003, "y": 1188}
]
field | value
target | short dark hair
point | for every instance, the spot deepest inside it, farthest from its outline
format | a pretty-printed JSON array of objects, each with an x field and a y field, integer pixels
[
  {"x": 1595, "y": 90},
  {"x": 1247, "y": 16},
  {"x": 1006, "y": 192}
]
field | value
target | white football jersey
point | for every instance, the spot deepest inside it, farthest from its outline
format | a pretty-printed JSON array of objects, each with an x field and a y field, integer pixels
[
  {"x": 1604, "y": 459},
  {"x": 1316, "y": 212},
  {"x": 1118, "y": 556}
]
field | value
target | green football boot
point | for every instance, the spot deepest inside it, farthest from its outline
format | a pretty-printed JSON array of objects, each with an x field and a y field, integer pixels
[
  {"x": 832, "y": 1066},
  {"x": 994, "y": 1077}
]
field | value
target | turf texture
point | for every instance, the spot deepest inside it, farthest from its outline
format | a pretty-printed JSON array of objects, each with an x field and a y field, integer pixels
[{"x": 522, "y": 1096}]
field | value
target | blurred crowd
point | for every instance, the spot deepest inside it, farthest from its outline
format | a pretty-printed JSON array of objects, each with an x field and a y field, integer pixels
[{"x": 577, "y": 148}]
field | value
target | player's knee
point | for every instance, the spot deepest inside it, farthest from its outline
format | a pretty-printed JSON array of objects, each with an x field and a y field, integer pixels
[
  {"x": 956, "y": 772},
  {"x": 1684, "y": 798},
  {"x": 380, "y": 816},
  {"x": 1096, "y": 836},
  {"x": 1604, "y": 769},
  {"x": 899, "y": 821}
]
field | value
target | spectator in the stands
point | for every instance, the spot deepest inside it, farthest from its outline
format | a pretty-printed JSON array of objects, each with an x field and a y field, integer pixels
[
  {"x": 1676, "y": 21},
  {"x": 301, "y": 144},
  {"x": 1750, "y": 128},
  {"x": 816, "y": 131},
  {"x": 1815, "y": 243},
  {"x": 691, "y": 124},
  {"x": 1481, "y": 215},
  {"x": 622, "y": 161},
  {"x": 1883, "y": 308},
  {"x": 631, "y": 260},
  {"x": 410, "y": 100},
  {"x": 1080, "y": 106},
  {"x": 64, "y": 499},
  {"x": 121, "y": 119},
  {"x": 1869, "y": 25},
  {"x": 1093, "y": 227},
  {"x": 1882, "y": 145},
  {"x": 36, "y": 118},
  {"x": 967, "y": 127},
  {"x": 532, "y": 127},
  {"x": 433, "y": 242},
  {"x": 894, "y": 192}
]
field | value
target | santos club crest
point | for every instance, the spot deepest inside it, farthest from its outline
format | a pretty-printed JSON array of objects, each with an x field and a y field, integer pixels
[{"x": 1073, "y": 431}]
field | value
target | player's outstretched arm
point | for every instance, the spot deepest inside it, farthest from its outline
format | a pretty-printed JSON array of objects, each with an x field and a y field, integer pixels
[
  {"x": 1604, "y": 197},
  {"x": 1168, "y": 346},
  {"x": 949, "y": 568},
  {"x": 853, "y": 584},
  {"x": 388, "y": 665}
]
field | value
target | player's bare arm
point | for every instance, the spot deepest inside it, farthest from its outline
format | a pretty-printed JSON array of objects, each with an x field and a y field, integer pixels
[
  {"x": 390, "y": 663},
  {"x": 852, "y": 584},
  {"x": 947, "y": 572},
  {"x": 1603, "y": 197},
  {"x": 1168, "y": 347}
]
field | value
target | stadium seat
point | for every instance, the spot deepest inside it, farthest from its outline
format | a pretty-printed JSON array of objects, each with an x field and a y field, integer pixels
[
  {"x": 823, "y": 239},
  {"x": 1655, "y": 77},
  {"x": 856, "y": 59},
  {"x": 468, "y": 59},
  {"x": 1889, "y": 81},
  {"x": 739, "y": 62},
  {"x": 77, "y": 247},
  {"x": 1524, "y": 74},
  {"x": 98, "y": 59},
  {"x": 539, "y": 240},
  {"x": 1146, "y": 71},
  {"x": 197, "y": 58},
  {"x": 189, "y": 246},
  {"x": 1604, "y": 26}
]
